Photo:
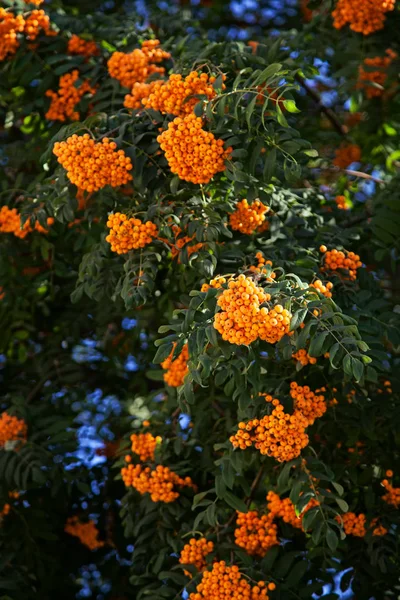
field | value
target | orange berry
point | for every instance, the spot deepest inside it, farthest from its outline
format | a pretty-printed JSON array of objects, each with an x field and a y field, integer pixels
[{"x": 86, "y": 532}]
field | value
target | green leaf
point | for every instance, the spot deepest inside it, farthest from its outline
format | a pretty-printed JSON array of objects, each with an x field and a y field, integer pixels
[
  {"x": 290, "y": 106},
  {"x": 235, "y": 502},
  {"x": 250, "y": 110},
  {"x": 331, "y": 539},
  {"x": 269, "y": 165},
  {"x": 317, "y": 343},
  {"x": 162, "y": 353},
  {"x": 344, "y": 507},
  {"x": 298, "y": 318}
]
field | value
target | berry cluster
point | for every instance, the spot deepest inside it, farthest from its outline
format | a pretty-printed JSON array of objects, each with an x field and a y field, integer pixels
[
  {"x": 193, "y": 153},
  {"x": 347, "y": 154},
  {"x": 341, "y": 203},
  {"x": 311, "y": 405},
  {"x": 7, "y": 507},
  {"x": 129, "y": 234},
  {"x": 195, "y": 552},
  {"x": 10, "y": 26},
  {"x": 175, "y": 96},
  {"x": 12, "y": 430},
  {"x": 392, "y": 495},
  {"x": 35, "y": 22},
  {"x": 325, "y": 290},
  {"x": 242, "y": 321},
  {"x": 182, "y": 242},
  {"x": 341, "y": 260},
  {"x": 216, "y": 284},
  {"x": 306, "y": 12},
  {"x": 304, "y": 358},
  {"x": 92, "y": 165},
  {"x": 378, "y": 530},
  {"x": 137, "y": 66},
  {"x": 144, "y": 445},
  {"x": 86, "y": 532},
  {"x": 279, "y": 434},
  {"x": 248, "y": 218},
  {"x": 77, "y": 45},
  {"x": 266, "y": 92},
  {"x": 241, "y": 317},
  {"x": 378, "y": 76},
  {"x": 256, "y": 534},
  {"x": 387, "y": 387},
  {"x": 354, "y": 524},
  {"x": 263, "y": 266},
  {"x": 160, "y": 483},
  {"x": 363, "y": 16},
  {"x": 139, "y": 92},
  {"x": 10, "y": 222},
  {"x": 226, "y": 583},
  {"x": 64, "y": 101},
  {"x": 177, "y": 369},
  {"x": 285, "y": 510}
]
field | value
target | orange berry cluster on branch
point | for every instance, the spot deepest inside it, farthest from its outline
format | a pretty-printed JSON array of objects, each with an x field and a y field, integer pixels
[
  {"x": 174, "y": 96},
  {"x": 256, "y": 534},
  {"x": 77, "y": 45},
  {"x": 86, "y": 532},
  {"x": 192, "y": 153},
  {"x": 129, "y": 234},
  {"x": 139, "y": 92},
  {"x": 216, "y": 283},
  {"x": 262, "y": 265},
  {"x": 177, "y": 369},
  {"x": 144, "y": 445},
  {"x": 311, "y": 405},
  {"x": 304, "y": 358},
  {"x": 392, "y": 495},
  {"x": 226, "y": 583},
  {"x": 341, "y": 260},
  {"x": 248, "y": 218},
  {"x": 347, "y": 154},
  {"x": 242, "y": 321},
  {"x": 279, "y": 435},
  {"x": 363, "y": 16},
  {"x": 195, "y": 552},
  {"x": 92, "y": 165},
  {"x": 12, "y": 430},
  {"x": 7, "y": 507},
  {"x": 37, "y": 21},
  {"x": 10, "y": 26},
  {"x": 356, "y": 525},
  {"x": 10, "y": 222},
  {"x": 285, "y": 510},
  {"x": 378, "y": 530},
  {"x": 378, "y": 76},
  {"x": 182, "y": 242},
  {"x": 160, "y": 483},
  {"x": 64, "y": 101},
  {"x": 341, "y": 203},
  {"x": 137, "y": 66}
]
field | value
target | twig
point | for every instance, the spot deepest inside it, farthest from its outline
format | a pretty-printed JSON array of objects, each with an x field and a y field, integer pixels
[
  {"x": 218, "y": 408},
  {"x": 363, "y": 175},
  {"x": 255, "y": 485},
  {"x": 325, "y": 109}
]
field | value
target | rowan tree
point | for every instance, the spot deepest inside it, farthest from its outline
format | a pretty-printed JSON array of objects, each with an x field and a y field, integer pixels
[{"x": 199, "y": 224}]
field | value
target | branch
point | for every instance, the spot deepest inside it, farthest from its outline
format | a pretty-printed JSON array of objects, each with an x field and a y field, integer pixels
[
  {"x": 357, "y": 174},
  {"x": 325, "y": 109},
  {"x": 255, "y": 485},
  {"x": 363, "y": 175}
]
